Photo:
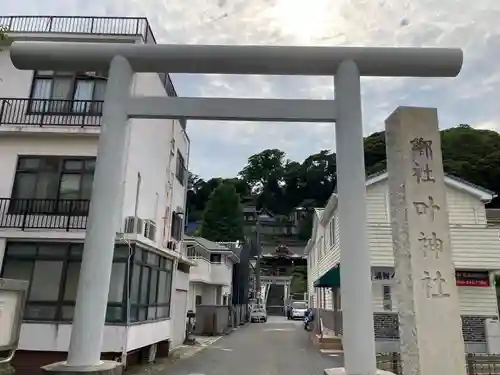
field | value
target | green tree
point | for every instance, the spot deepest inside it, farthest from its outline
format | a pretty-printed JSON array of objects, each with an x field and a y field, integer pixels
[
  {"x": 223, "y": 216},
  {"x": 271, "y": 181}
]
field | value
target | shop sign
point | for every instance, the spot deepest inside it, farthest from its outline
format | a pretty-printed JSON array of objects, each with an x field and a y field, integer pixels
[{"x": 464, "y": 278}]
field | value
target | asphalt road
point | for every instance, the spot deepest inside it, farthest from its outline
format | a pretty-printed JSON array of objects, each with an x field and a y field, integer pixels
[{"x": 278, "y": 347}]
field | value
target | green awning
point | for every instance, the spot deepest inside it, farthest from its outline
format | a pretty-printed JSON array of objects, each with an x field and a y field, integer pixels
[{"x": 330, "y": 279}]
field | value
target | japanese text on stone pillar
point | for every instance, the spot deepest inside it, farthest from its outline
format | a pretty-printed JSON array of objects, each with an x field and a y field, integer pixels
[{"x": 431, "y": 243}]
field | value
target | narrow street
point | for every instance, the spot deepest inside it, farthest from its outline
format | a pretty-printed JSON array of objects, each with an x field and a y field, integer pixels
[{"x": 278, "y": 347}]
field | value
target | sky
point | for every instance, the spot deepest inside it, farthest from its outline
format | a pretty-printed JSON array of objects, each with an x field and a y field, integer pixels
[{"x": 222, "y": 148}]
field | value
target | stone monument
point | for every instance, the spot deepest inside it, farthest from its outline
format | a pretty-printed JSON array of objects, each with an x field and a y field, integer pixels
[{"x": 428, "y": 307}]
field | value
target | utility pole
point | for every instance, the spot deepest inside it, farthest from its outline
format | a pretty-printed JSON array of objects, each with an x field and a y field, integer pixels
[{"x": 257, "y": 264}]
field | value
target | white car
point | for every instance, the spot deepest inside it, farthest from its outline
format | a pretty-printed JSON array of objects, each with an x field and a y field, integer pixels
[
  {"x": 258, "y": 314},
  {"x": 298, "y": 310}
]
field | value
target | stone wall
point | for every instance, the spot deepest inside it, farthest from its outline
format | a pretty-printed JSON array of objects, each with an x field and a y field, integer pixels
[{"x": 387, "y": 327}]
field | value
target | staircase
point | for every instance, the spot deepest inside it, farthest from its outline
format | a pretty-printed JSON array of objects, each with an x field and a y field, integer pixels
[
  {"x": 275, "y": 300},
  {"x": 325, "y": 339}
]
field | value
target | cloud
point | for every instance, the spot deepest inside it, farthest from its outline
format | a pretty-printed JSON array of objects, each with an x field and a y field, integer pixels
[{"x": 222, "y": 148}]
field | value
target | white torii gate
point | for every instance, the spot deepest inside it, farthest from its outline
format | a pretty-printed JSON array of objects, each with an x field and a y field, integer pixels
[{"x": 346, "y": 64}]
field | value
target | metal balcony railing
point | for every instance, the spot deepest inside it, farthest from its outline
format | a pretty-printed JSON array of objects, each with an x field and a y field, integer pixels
[
  {"x": 50, "y": 112},
  {"x": 115, "y": 26},
  {"x": 66, "y": 214}
]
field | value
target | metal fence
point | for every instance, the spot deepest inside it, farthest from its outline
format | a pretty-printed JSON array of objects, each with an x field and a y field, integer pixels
[
  {"x": 134, "y": 26},
  {"x": 477, "y": 364},
  {"x": 50, "y": 112},
  {"x": 65, "y": 214}
]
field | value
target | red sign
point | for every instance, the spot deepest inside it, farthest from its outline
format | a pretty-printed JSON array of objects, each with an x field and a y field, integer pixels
[{"x": 473, "y": 278}]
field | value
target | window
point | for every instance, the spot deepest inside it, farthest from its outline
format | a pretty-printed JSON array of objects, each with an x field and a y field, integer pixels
[
  {"x": 215, "y": 258},
  {"x": 150, "y": 286},
  {"x": 332, "y": 231},
  {"x": 55, "y": 181},
  {"x": 52, "y": 270},
  {"x": 197, "y": 300},
  {"x": 180, "y": 170},
  {"x": 176, "y": 231},
  {"x": 67, "y": 92},
  {"x": 387, "y": 299}
]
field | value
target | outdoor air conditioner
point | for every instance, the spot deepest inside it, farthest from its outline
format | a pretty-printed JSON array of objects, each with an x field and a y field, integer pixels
[
  {"x": 132, "y": 227},
  {"x": 150, "y": 230}
]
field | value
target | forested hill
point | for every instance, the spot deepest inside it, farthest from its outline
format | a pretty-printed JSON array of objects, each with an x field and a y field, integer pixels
[{"x": 272, "y": 181}]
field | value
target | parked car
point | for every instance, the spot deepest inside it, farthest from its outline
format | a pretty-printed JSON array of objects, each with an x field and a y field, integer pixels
[
  {"x": 258, "y": 314},
  {"x": 299, "y": 309}
]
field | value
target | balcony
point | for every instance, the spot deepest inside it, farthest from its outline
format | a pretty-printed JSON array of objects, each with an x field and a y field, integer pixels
[
  {"x": 101, "y": 26},
  {"x": 209, "y": 273},
  {"x": 58, "y": 214},
  {"x": 50, "y": 112},
  {"x": 220, "y": 274},
  {"x": 200, "y": 273}
]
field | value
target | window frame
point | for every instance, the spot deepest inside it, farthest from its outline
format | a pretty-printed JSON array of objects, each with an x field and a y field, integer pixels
[
  {"x": 176, "y": 227},
  {"x": 131, "y": 256},
  {"x": 180, "y": 168},
  {"x": 52, "y": 205},
  {"x": 140, "y": 258},
  {"x": 332, "y": 231},
  {"x": 215, "y": 255},
  {"x": 66, "y": 257},
  {"x": 95, "y": 105}
]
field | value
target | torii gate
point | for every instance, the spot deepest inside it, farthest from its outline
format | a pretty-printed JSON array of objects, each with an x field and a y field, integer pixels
[{"x": 346, "y": 64}]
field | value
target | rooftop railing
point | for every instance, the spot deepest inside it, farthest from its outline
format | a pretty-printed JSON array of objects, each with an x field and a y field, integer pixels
[
  {"x": 117, "y": 26},
  {"x": 99, "y": 26}
]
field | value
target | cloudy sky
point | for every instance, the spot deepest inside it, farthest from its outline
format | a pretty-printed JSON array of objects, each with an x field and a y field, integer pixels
[{"x": 221, "y": 149}]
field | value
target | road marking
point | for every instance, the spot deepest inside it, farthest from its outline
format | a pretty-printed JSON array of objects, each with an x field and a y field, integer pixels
[
  {"x": 331, "y": 351},
  {"x": 210, "y": 342},
  {"x": 280, "y": 329}
]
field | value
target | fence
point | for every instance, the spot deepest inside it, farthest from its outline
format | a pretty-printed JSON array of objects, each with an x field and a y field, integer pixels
[
  {"x": 66, "y": 214},
  {"x": 50, "y": 112},
  {"x": 477, "y": 364}
]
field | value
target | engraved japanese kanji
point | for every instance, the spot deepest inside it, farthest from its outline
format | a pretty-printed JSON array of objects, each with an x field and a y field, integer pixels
[
  {"x": 421, "y": 147},
  {"x": 427, "y": 208},
  {"x": 422, "y": 172},
  {"x": 434, "y": 286},
  {"x": 432, "y": 244}
]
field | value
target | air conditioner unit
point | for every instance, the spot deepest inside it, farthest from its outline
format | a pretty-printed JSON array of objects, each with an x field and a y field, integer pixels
[
  {"x": 150, "y": 230},
  {"x": 133, "y": 225}
]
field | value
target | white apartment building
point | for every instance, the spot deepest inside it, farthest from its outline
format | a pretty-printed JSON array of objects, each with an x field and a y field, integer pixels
[
  {"x": 49, "y": 129},
  {"x": 211, "y": 281},
  {"x": 475, "y": 249}
]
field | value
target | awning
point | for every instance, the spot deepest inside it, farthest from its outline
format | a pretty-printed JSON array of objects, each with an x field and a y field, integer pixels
[{"x": 330, "y": 279}]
